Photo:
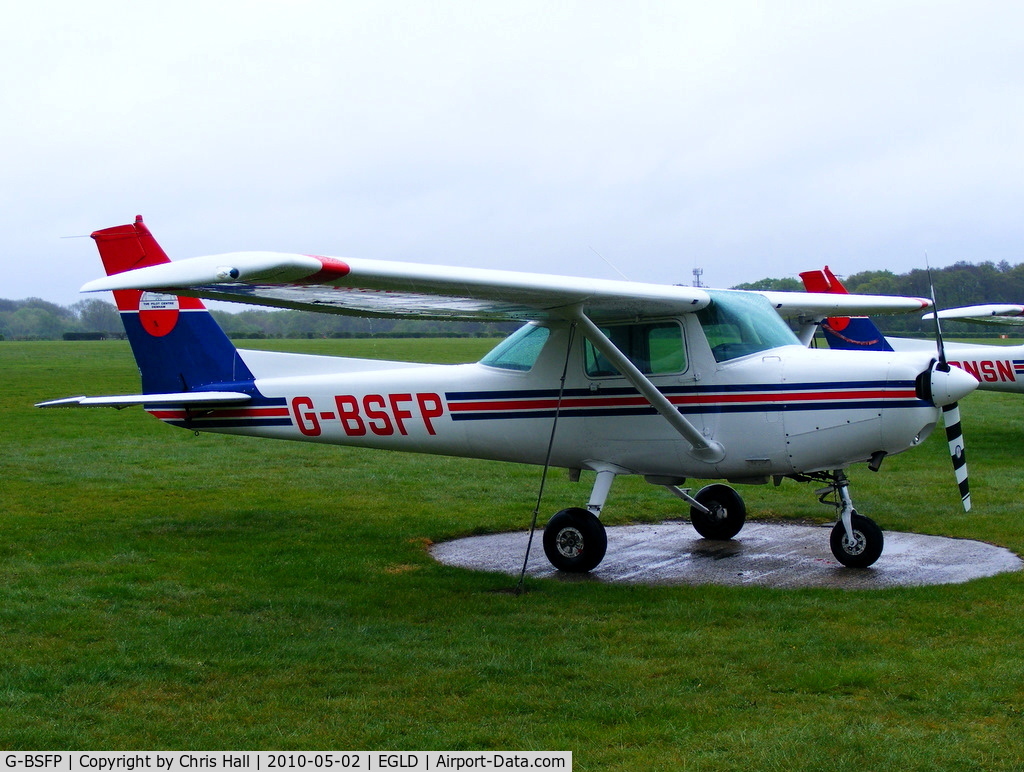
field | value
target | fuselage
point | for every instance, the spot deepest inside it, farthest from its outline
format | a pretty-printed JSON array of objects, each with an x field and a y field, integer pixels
[{"x": 777, "y": 411}]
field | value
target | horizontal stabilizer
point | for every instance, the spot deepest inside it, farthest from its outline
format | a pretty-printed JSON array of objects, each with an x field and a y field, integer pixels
[{"x": 185, "y": 399}]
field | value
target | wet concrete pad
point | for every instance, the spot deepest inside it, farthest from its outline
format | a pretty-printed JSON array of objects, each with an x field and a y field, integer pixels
[{"x": 763, "y": 554}]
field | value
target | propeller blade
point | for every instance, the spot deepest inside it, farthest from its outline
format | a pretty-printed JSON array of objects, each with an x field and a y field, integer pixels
[
  {"x": 955, "y": 437},
  {"x": 950, "y": 407},
  {"x": 938, "y": 329}
]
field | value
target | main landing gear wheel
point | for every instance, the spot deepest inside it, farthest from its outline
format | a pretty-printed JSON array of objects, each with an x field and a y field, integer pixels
[
  {"x": 727, "y": 516},
  {"x": 866, "y": 546},
  {"x": 575, "y": 540}
]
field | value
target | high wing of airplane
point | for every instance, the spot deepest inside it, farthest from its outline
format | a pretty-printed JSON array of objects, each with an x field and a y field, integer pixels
[
  {"x": 613, "y": 377},
  {"x": 991, "y": 313}
]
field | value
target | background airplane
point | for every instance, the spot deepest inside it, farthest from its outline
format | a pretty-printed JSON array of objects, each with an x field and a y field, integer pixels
[
  {"x": 996, "y": 368},
  {"x": 613, "y": 377}
]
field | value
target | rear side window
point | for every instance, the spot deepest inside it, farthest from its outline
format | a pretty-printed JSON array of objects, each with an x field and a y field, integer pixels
[
  {"x": 655, "y": 348},
  {"x": 519, "y": 351}
]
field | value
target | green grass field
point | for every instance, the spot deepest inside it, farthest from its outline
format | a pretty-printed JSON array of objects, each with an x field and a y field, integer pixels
[{"x": 160, "y": 590}]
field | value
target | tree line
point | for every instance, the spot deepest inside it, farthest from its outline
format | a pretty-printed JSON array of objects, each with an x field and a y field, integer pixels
[{"x": 960, "y": 284}]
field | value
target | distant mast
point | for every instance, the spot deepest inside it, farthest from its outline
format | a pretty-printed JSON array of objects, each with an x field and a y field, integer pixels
[{"x": 697, "y": 273}]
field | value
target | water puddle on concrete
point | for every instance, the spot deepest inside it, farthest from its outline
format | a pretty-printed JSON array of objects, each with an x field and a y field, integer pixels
[{"x": 763, "y": 554}]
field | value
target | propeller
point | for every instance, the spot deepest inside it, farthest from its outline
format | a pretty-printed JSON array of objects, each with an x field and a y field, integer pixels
[
  {"x": 955, "y": 437},
  {"x": 943, "y": 386}
]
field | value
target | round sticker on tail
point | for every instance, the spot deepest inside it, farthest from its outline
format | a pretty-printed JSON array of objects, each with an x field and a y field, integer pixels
[{"x": 158, "y": 314}]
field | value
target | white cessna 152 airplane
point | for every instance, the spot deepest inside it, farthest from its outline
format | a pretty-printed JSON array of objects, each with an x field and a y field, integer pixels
[{"x": 614, "y": 377}]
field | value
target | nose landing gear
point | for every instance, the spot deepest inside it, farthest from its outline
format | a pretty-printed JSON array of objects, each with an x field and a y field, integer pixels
[{"x": 856, "y": 541}]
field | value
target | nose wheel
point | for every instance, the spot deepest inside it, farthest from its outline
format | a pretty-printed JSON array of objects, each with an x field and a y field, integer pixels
[
  {"x": 864, "y": 548},
  {"x": 856, "y": 541}
]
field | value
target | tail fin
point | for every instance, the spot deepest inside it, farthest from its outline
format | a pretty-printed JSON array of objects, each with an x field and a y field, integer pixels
[
  {"x": 844, "y": 332},
  {"x": 177, "y": 344}
]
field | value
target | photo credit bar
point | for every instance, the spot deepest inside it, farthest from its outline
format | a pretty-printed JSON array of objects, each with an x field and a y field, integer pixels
[{"x": 284, "y": 761}]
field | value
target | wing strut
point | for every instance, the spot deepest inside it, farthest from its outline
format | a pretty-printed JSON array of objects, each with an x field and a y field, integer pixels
[{"x": 702, "y": 448}]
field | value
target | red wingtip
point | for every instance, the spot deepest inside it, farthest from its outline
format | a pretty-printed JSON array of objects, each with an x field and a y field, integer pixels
[{"x": 333, "y": 269}]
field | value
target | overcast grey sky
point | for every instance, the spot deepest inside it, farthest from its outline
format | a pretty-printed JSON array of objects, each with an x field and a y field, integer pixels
[{"x": 749, "y": 139}]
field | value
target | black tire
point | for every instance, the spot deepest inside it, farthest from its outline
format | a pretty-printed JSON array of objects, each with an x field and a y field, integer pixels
[
  {"x": 866, "y": 547},
  {"x": 575, "y": 540},
  {"x": 728, "y": 512}
]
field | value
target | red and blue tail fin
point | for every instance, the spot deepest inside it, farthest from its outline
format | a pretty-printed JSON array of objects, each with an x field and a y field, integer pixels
[
  {"x": 178, "y": 345},
  {"x": 844, "y": 332}
]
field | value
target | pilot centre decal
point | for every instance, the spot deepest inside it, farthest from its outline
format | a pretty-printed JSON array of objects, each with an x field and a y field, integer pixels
[{"x": 158, "y": 313}]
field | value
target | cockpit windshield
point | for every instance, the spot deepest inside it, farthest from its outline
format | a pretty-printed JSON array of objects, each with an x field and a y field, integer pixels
[{"x": 740, "y": 323}]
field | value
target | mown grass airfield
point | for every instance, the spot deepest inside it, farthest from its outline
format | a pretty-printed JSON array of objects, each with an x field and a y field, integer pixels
[{"x": 165, "y": 590}]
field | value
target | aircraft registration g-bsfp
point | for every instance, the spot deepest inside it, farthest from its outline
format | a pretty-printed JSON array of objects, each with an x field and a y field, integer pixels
[{"x": 614, "y": 377}]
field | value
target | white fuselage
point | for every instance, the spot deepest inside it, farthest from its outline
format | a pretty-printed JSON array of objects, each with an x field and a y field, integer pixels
[{"x": 786, "y": 410}]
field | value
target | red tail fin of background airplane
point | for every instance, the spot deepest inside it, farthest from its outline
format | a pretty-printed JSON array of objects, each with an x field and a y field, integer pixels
[{"x": 857, "y": 333}]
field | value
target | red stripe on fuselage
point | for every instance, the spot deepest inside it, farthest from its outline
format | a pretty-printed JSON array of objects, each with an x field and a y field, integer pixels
[{"x": 695, "y": 399}]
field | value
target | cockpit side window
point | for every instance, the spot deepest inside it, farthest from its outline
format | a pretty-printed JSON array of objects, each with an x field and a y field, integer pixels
[
  {"x": 737, "y": 324},
  {"x": 655, "y": 348},
  {"x": 519, "y": 351}
]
